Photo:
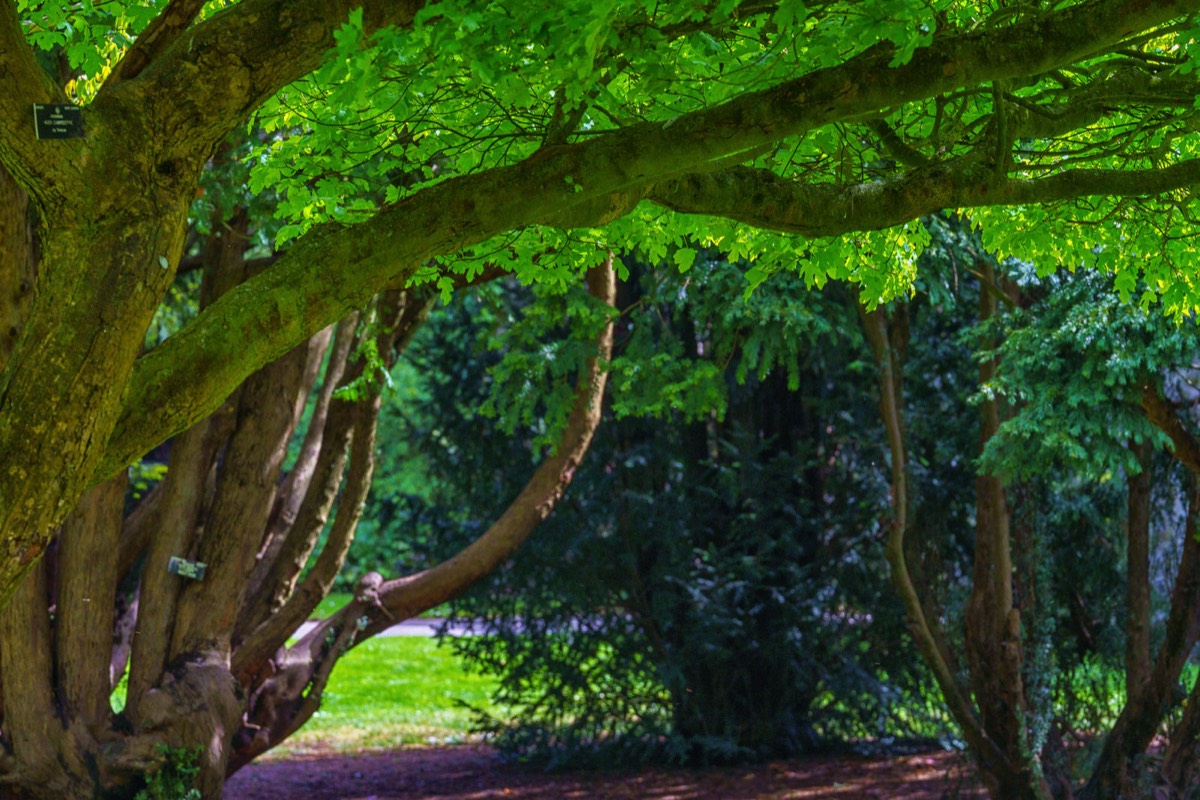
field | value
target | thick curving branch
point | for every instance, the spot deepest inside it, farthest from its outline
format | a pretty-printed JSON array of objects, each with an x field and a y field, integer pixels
[
  {"x": 302, "y": 293},
  {"x": 203, "y": 81},
  {"x": 761, "y": 198},
  {"x": 406, "y": 597}
]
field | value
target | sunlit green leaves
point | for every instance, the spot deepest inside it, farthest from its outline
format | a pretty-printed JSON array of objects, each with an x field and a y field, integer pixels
[
  {"x": 473, "y": 86},
  {"x": 90, "y": 34},
  {"x": 1072, "y": 367}
]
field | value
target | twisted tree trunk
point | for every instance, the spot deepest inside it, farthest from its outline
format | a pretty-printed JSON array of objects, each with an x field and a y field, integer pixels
[{"x": 210, "y": 674}]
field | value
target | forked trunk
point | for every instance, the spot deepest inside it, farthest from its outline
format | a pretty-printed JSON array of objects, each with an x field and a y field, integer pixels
[
  {"x": 212, "y": 681},
  {"x": 990, "y": 710}
]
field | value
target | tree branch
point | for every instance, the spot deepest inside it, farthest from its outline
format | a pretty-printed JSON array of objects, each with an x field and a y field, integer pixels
[
  {"x": 160, "y": 34},
  {"x": 1148, "y": 703},
  {"x": 890, "y": 380},
  {"x": 38, "y": 167},
  {"x": 761, "y": 198},
  {"x": 274, "y": 631},
  {"x": 406, "y": 597},
  {"x": 299, "y": 502},
  {"x": 181, "y": 381},
  {"x": 293, "y": 694},
  {"x": 1162, "y": 414},
  {"x": 203, "y": 83}
]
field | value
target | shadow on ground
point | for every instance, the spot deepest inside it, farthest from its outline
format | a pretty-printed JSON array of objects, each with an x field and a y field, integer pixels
[{"x": 473, "y": 772}]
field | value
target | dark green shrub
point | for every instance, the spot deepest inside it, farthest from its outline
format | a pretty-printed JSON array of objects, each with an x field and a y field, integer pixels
[{"x": 711, "y": 588}]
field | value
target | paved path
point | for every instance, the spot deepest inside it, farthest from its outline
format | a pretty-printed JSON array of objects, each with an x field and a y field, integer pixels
[{"x": 422, "y": 626}]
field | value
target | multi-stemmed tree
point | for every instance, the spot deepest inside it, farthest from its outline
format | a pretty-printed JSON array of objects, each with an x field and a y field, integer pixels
[{"x": 406, "y": 140}]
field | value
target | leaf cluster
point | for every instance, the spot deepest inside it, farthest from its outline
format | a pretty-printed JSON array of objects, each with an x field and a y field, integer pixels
[{"x": 1073, "y": 367}]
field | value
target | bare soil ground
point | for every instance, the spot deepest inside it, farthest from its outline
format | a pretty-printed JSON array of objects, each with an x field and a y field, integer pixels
[{"x": 473, "y": 772}]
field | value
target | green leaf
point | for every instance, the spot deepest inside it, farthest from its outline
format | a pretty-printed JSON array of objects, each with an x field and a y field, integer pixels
[{"x": 684, "y": 258}]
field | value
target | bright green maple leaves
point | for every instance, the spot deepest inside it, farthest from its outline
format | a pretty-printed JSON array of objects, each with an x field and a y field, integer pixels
[{"x": 473, "y": 86}]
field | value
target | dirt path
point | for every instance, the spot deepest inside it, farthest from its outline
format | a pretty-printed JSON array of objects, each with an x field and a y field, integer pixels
[{"x": 472, "y": 772}]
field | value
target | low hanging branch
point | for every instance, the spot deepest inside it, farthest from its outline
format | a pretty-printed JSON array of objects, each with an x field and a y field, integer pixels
[
  {"x": 406, "y": 597},
  {"x": 304, "y": 668}
]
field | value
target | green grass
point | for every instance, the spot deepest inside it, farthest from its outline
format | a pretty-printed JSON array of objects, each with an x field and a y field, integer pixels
[
  {"x": 389, "y": 692},
  {"x": 336, "y": 600},
  {"x": 330, "y": 604}
]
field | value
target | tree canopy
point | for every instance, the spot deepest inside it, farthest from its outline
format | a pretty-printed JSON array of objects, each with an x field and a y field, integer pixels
[{"x": 413, "y": 141}]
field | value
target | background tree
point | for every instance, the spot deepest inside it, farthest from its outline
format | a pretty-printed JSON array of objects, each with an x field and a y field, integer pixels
[
  {"x": 710, "y": 585},
  {"x": 1069, "y": 383},
  {"x": 609, "y": 633}
]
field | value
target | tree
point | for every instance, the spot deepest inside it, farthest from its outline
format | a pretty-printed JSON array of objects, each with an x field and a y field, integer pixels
[
  {"x": 711, "y": 588},
  {"x": 422, "y": 142},
  {"x": 272, "y": 528},
  {"x": 1075, "y": 387}
]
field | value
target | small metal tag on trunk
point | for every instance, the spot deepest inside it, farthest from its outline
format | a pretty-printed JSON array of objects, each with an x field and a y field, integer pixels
[
  {"x": 186, "y": 569},
  {"x": 57, "y": 121}
]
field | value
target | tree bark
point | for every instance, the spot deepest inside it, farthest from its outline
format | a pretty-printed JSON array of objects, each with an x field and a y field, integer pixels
[
  {"x": 17, "y": 261},
  {"x": 1145, "y": 709},
  {"x": 1137, "y": 560},
  {"x": 83, "y": 640}
]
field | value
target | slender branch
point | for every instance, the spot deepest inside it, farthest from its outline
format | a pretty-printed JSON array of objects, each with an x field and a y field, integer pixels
[
  {"x": 896, "y": 146},
  {"x": 272, "y": 633},
  {"x": 299, "y": 503},
  {"x": 874, "y": 325},
  {"x": 282, "y": 566}
]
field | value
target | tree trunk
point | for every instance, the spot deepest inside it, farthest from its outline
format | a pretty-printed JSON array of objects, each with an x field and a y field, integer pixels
[
  {"x": 1137, "y": 561},
  {"x": 993, "y": 636},
  {"x": 211, "y": 676},
  {"x": 1148, "y": 705},
  {"x": 17, "y": 260},
  {"x": 996, "y": 734}
]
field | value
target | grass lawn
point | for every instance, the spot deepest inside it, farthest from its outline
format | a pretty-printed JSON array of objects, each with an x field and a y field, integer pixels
[
  {"x": 393, "y": 691},
  {"x": 336, "y": 600},
  {"x": 330, "y": 604}
]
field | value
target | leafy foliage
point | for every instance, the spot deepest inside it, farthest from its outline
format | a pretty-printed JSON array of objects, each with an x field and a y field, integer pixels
[
  {"x": 706, "y": 584},
  {"x": 175, "y": 779},
  {"x": 1075, "y": 365}
]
